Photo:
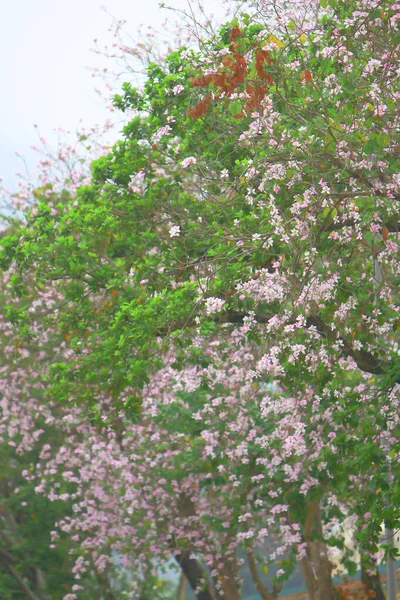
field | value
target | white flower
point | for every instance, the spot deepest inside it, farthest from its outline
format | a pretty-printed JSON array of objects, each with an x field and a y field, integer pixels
[
  {"x": 136, "y": 182},
  {"x": 160, "y": 133},
  {"x": 214, "y": 305},
  {"x": 190, "y": 160},
  {"x": 175, "y": 231},
  {"x": 280, "y": 572},
  {"x": 177, "y": 89}
]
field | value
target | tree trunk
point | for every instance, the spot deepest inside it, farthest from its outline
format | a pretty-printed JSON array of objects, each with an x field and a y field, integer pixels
[
  {"x": 372, "y": 582},
  {"x": 180, "y": 592},
  {"x": 316, "y": 566},
  {"x": 231, "y": 590},
  {"x": 230, "y": 585},
  {"x": 191, "y": 567},
  {"x": 196, "y": 576},
  {"x": 309, "y": 577},
  {"x": 261, "y": 588}
]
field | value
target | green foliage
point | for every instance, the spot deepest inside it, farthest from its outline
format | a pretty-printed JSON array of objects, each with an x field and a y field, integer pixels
[{"x": 279, "y": 175}]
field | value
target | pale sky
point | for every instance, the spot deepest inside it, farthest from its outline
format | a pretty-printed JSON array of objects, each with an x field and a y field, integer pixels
[{"x": 44, "y": 59}]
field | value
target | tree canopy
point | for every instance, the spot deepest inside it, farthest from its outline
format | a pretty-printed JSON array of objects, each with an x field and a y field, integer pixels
[{"x": 223, "y": 296}]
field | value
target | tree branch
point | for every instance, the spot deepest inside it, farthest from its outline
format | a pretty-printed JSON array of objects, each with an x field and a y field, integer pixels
[
  {"x": 196, "y": 576},
  {"x": 366, "y": 361},
  {"x": 5, "y": 556},
  {"x": 261, "y": 588},
  {"x": 391, "y": 226},
  {"x": 27, "y": 591},
  {"x": 180, "y": 593}
]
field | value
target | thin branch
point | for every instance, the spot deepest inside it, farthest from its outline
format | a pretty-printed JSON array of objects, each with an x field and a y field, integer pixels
[
  {"x": 27, "y": 591},
  {"x": 7, "y": 557}
]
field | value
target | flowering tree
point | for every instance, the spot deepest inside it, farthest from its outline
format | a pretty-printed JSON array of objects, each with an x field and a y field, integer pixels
[
  {"x": 30, "y": 567},
  {"x": 226, "y": 288}
]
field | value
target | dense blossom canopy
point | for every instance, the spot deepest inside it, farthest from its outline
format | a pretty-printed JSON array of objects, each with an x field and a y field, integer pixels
[{"x": 223, "y": 298}]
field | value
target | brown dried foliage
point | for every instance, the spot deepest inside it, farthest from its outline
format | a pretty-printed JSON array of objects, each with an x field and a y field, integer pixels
[
  {"x": 305, "y": 76},
  {"x": 200, "y": 109},
  {"x": 262, "y": 57},
  {"x": 257, "y": 93},
  {"x": 227, "y": 81}
]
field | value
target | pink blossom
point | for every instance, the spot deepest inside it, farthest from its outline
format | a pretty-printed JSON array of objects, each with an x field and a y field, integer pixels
[{"x": 190, "y": 160}]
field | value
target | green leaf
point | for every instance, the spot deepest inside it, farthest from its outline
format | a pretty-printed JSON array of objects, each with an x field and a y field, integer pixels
[{"x": 235, "y": 107}]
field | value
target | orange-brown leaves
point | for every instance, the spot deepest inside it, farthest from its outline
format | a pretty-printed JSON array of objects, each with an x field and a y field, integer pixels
[
  {"x": 256, "y": 93},
  {"x": 262, "y": 57},
  {"x": 232, "y": 73},
  {"x": 305, "y": 76},
  {"x": 220, "y": 80},
  {"x": 226, "y": 82},
  {"x": 385, "y": 233},
  {"x": 240, "y": 68},
  {"x": 234, "y": 33},
  {"x": 200, "y": 109},
  {"x": 201, "y": 81},
  {"x": 228, "y": 60}
]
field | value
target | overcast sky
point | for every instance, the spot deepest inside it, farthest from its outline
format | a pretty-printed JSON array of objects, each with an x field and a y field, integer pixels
[{"x": 44, "y": 59}]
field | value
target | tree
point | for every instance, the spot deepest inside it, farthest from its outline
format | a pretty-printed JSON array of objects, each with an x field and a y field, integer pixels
[
  {"x": 31, "y": 567},
  {"x": 252, "y": 201}
]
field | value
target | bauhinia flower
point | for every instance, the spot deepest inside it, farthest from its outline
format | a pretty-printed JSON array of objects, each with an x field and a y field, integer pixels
[
  {"x": 190, "y": 160},
  {"x": 175, "y": 231}
]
